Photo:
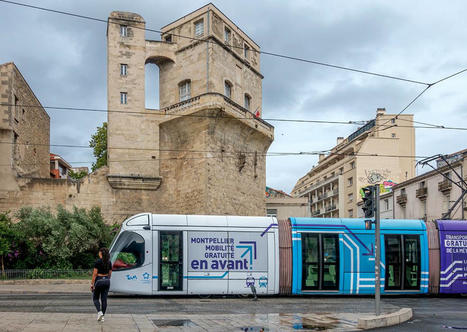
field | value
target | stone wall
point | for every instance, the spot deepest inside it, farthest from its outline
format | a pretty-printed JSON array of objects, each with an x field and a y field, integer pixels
[
  {"x": 24, "y": 130},
  {"x": 93, "y": 190}
]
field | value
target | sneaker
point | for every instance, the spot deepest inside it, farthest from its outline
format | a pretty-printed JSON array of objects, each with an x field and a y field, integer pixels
[{"x": 100, "y": 316}]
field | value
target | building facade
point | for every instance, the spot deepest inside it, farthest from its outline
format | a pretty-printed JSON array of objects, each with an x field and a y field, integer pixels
[
  {"x": 282, "y": 206},
  {"x": 202, "y": 152},
  {"x": 429, "y": 196},
  {"x": 24, "y": 130},
  {"x": 59, "y": 167},
  {"x": 381, "y": 152}
]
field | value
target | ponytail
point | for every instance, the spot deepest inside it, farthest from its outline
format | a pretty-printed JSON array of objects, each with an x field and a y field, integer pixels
[{"x": 105, "y": 256}]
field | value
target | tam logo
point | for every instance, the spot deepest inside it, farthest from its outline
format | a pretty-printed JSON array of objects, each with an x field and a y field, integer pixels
[{"x": 131, "y": 277}]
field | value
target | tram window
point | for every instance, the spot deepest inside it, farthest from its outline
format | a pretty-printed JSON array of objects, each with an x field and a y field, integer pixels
[
  {"x": 330, "y": 268},
  {"x": 412, "y": 260},
  {"x": 393, "y": 261},
  {"x": 139, "y": 221},
  {"x": 310, "y": 261},
  {"x": 128, "y": 251},
  {"x": 320, "y": 259},
  {"x": 402, "y": 262}
]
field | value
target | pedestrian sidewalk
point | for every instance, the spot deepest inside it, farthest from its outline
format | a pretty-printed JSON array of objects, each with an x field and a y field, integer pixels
[{"x": 51, "y": 322}]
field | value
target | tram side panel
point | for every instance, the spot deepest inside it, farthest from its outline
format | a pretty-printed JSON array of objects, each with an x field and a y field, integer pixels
[
  {"x": 358, "y": 262},
  {"x": 285, "y": 257},
  {"x": 453, "y": 256}
]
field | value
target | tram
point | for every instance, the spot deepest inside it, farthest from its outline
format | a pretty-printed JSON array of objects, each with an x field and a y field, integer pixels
[{"x": 156, "y": 254}]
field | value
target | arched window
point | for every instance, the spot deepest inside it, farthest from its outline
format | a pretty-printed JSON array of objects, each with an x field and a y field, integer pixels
[
  {"x": 151, "y": 71},
  {"x": 228, "y": 89},
  {"x": 184, "y": 89},
  {"x": 247, "y": 101}
]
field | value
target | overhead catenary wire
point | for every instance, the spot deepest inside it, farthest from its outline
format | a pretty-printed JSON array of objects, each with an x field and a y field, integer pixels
[
  {"x": 421, "y": 93},
  {"x": 221, "y": 151},
  {"x": 427, "y": 84},
  {"x": 288, "y": 57},
  {"x": 343, "y": 122}
]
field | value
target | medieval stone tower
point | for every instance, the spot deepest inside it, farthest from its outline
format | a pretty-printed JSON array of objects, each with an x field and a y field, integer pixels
[{"x": 203, "y": 151}]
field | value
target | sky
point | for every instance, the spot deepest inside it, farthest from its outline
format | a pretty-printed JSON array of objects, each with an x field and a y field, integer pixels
[{"x": 64, "y": 61}]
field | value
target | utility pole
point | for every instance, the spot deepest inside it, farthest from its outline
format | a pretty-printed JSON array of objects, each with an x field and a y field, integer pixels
[{"x": 377, "y": 252}]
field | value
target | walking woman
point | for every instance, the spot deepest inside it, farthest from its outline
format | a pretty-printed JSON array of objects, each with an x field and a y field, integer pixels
[{"x": 100, "y": 282}]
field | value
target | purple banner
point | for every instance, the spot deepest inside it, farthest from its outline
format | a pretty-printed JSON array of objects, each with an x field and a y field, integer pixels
[{"x": 453, "y": 254}]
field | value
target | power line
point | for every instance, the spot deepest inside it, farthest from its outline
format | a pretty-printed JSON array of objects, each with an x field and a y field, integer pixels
[
  {"x": 288, "y": 57},
  {"x": 348, "y": 122},
  {"x": 422, "y": 92}
]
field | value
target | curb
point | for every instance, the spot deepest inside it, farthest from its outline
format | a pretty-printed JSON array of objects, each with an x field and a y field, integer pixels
[
  {"x": 394, "y": 318},
  {"x": 45, "y": 281},
  {"x": 36, "y": 292}
]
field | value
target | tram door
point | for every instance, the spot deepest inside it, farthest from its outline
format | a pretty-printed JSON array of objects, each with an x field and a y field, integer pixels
[
  {"x": 170, "y": 261},
  {"x": 402, "y": 262},
  {"x": 320, "y": 261}
]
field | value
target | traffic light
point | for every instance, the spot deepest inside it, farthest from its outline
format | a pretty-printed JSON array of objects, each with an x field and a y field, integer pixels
[{"x": 369, "y": 201}]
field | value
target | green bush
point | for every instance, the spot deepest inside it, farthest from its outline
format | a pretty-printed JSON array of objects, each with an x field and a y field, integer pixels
[{"x": 42, "y": 239}]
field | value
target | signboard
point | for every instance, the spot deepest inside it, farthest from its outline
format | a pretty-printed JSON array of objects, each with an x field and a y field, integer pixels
[
  {"x": 227, "y": 251},
  {"x": 453, "y": 256}
]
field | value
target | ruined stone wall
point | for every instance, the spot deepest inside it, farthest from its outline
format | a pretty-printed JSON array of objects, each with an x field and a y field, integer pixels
[
  {"x": 93, "y": 190},
  {"x": 25, "y": 127}
]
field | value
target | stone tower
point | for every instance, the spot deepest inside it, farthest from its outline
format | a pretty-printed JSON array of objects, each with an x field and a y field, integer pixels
[{"x": 203, "y": 151}]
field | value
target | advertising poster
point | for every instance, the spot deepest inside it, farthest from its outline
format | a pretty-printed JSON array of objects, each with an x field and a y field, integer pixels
[
  {"x": 227, "y": 251},
  {"x": 453, "y": 256}
]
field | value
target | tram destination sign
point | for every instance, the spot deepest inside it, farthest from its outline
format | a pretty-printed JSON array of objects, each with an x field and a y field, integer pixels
[{"x": 222, "y": 251}]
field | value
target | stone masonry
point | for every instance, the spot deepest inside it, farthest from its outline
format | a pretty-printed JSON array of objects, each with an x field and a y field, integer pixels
[{"x": 202, "y": 152}]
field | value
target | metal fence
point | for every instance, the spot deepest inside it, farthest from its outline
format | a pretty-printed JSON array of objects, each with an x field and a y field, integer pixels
[{"x": 45, "y": 274}]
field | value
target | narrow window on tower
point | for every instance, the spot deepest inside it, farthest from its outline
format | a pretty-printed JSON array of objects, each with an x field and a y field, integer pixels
[
  {"x": 247, "y": 101},
  {"x": 246, "y": 51},
  {"x": 227, "y": 35},
  {"x": 123, "y": 98},
  {"x": 123, "y": 69},
  {"x": 228, "y": 89},
  {"x": 123, "y": 31},
  {"x": 199, "y": 28},
  {"x": 184, "y": 89}
]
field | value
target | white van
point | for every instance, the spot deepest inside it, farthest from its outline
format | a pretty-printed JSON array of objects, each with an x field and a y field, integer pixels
[{"x": 188, "y": 254}]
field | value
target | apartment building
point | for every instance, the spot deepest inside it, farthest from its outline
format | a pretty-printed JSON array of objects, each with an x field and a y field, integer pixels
[
  {"x": 380, "y": 152},
  {"x": 431, "y": 195}
]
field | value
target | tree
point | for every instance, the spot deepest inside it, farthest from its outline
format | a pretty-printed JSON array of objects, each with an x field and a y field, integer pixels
[
  {"x": 65, "y": 239},
  {"x": 77, "y": 175},
  {"x": 99, "y": 144},
  {"x": 8, "y": 239}
]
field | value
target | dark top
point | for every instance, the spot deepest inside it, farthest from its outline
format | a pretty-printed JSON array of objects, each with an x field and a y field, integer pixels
[{"x": 101, "y": 267}]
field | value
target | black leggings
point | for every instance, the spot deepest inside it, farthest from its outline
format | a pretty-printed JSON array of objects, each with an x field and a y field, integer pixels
[{"x": 101, "y": 288}]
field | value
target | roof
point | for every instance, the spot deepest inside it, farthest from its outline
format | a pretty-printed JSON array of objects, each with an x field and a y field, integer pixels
[
  {"x": 278, "y": 191},
  {"x": 26, "y": 83},
  {"x": 54, "y": 156},
  {"x": 452, "y": 225},
  {"x": 426, "y": 175},
  {"x": 356, "y": 224}
]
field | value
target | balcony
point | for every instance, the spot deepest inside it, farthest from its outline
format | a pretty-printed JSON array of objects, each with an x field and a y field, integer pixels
[
  {"x": 401, "y": 199},
  {"x": 330, "y": 208},
  {"x": 215, "y": 100},
  {"x": 316, "y": 212},
  {"x": 421, "y": 193},
  {"x": 445, "y": 186}
]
